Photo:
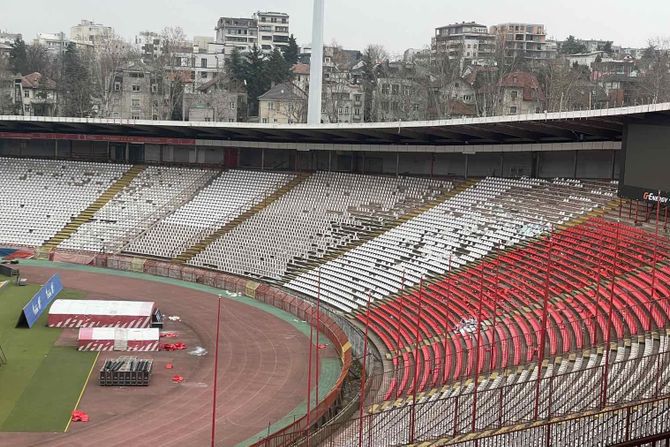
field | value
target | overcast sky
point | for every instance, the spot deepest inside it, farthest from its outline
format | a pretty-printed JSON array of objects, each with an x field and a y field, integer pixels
[{"x": 396, "y": 24}]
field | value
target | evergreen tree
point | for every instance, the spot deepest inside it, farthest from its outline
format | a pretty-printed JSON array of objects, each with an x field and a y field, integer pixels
[
  {"x": 258, "y": 81},
  {"x": 18, "y": 59},
  {"x": 236, "y": 66},
  {"x": 278, "y": 69},
  {"x": 75, "y": 85},
  {"x": 291, "y": 51},
  {"x": 572, "y": 46}
]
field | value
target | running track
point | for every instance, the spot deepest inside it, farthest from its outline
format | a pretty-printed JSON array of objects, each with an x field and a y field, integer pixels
[{"x": 262, "y": 364}]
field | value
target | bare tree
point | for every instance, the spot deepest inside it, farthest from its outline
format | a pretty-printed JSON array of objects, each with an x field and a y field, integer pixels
[
  {"x": 654, "y": 83},
  {"x": 171, "y": 73},
  {"x": 111, "y": 54}
]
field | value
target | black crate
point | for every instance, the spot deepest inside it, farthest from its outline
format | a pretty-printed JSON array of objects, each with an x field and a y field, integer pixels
[{"x": 126, "y": 371}]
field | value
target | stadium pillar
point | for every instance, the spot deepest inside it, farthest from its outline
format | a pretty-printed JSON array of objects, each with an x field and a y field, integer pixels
[
  {"x": 361, "y": 395},
  {"x": 397, "y": 164},
  {"x": 56, "y": 149},
  {"x": 316, "y": 66},
  {"x": 610, "y": 310},
  {"x": 465, "y": 170}
]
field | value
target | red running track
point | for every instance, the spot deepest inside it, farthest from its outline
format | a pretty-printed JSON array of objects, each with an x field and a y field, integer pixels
[{"x": 262, "y": 364}]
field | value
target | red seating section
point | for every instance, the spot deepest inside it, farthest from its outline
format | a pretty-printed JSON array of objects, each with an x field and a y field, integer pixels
[{"x": 577, "y": 281}]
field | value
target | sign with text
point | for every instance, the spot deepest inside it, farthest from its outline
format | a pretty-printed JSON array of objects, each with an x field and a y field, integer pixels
[{"x": 41, "y": 300}]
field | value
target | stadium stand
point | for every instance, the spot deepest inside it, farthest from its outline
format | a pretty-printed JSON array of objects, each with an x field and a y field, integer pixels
[
  {"x": 149, "y": 197},
  {"x": 226, "y": 197},
  {"x": 492, "y": 214},
  {"x": 40, "y": 197},
  {"x": 325, "y": 212}
]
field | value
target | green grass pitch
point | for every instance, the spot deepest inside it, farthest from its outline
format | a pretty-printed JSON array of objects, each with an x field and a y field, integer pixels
[{"x": 41, "y": 383}]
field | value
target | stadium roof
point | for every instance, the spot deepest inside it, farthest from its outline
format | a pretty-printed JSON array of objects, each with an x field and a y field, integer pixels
[{"x": 566, "y": 127}]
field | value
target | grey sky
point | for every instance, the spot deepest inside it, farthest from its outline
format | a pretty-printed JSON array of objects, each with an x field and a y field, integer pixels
[{"x": 396, "y": 24}]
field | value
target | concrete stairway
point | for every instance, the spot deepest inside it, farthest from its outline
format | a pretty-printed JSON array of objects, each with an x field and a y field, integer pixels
[
  {"x": 199, "y": 247},
  {"x": 87, "y": 215}
]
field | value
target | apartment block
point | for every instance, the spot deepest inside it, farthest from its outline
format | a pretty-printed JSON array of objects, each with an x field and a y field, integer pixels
[
  {"x": 267, "y": 30},
  {"x": 467, "y": 42},
  {"x": 522, "y": 41}
]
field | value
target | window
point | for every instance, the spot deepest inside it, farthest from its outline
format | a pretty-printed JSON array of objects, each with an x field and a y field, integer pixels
[
  {"x": 233, "y": 105},
  {"x": 512, "y": 110},
  {"x": 136, "y": 88},
  {"x": 395, "y": 89},
  {"x": 357, "y": 98},
  {"x": 416, "y": 107},
  {"x": 346, "y": 110},
  {"x": 203, "y": 62},
  {"x": 357, "y": 111},
  {"x": 135, "y": 116},
  {"x": 271, "y": 105},
  {"x": 405, "y": 90},
  {"x": 265, "y": 120},
  {"x": 26, "y": 93},
  {"x": 117, "y": 86},
  {"x": 395, "y": 106},
  {"x": 136, "y": 103},
  {"x": 208, "y": 119},
  {"x": 339, "y": 111},
  {"x": 154, "y": 88},
  {"x": 386, "y": 89},
  {"x": 514, "y": 94},
  {"x": 385, "y": 106},
  {"x": 154, "y": 117}
]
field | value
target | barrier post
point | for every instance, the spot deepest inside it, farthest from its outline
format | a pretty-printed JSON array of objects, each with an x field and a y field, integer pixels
[
  {"x": 412, "y": 427},
  {"x": 398, "y": 323},
  {"x": 216, "y": 369},
  {"x": 445, "y": 305},
  {"x": 653, "y": 264},
  {"x": 478, "y": 346}
]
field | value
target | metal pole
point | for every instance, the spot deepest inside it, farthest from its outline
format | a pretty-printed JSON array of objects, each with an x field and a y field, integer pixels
[
  {"x": 653, "y": 262},
  {"x": 309, "y": 378},
  {"x": 478, "y": 345},
  {"x": 543, "y": 333},
  {"x": 609, "y": 318},
  {"x": 318, "y": 321},
  {"x": 316, "y": 65},
  {"x": 216, "y": 370},
  {"x": 446, "y": 321},
  {"x": 398, "y": 322},
  {"x": 412, "y": 418},
  {"x": 495, "y": 314},
  {"x": 597, "y": 310},
  {"x": 361, "y": 395}
]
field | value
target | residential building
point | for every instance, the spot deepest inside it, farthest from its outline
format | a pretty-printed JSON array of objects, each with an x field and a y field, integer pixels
[
  {"x": 522, "y": 42},
  {"x": 401, "y": 93},
  {"x": 267, "y": 30},
  {"x": 467, "y": 42},
  {"x": 149, "y": 44},
  {"x": 237, "y": 32},
  {"x": 586, "y": 59},
  {"x": 520, "y": 93},
  {"x": 89, "y": 32},
  {"x": 8, "y": 105},
  {"x": 137, "y": 93},
  {"x": 6, "y": 41},
  {"x": 284, "y": 103},
  {"x": 36, "y": 95},
  {"x": 217, "y": 100},
  {"x": 202, "y": 63},
  {"x": 458, "y": 99},
  {"x": 273, "y": 30},
  {"x": 56, "y": 43}
]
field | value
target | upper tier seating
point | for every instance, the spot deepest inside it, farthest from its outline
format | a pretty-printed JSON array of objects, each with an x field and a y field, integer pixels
[
  {"x": 495, "y": 213},
  {"x": 325, "y": 212},
  {"x": 228, "y": 196},
  {"x": 44, "y": 195},
  {"x": 145, "y": 200}
]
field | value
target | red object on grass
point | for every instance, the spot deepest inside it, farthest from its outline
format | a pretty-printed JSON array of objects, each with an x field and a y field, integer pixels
[
  {"x": 173, "y": 346},
  {"x": 79, "y": 416},
  {"x": 177, "y": 378}
]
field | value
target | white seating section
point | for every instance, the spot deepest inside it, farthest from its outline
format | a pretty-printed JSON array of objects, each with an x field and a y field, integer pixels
[
  {"x": 228, "y": 196},
  {"x": 146, "y": 199},
  {"x": 495, "y": 213},
  {"x": 326, "y": 211},
  {"x": 41, "y": 196}
]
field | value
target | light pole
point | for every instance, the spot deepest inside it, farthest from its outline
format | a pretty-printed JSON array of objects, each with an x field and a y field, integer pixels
[
  {"x": 216, "y": 368},
  {"x": 316, "y": 65}
]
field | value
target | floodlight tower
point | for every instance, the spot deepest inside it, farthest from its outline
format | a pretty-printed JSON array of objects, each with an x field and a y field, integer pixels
[{"x": 316, "y": 65}]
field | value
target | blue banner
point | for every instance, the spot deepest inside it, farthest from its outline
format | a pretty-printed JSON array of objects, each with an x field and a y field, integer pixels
[{"x": 38, "y": 303}]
